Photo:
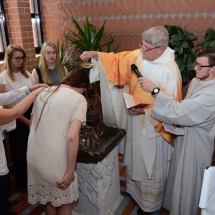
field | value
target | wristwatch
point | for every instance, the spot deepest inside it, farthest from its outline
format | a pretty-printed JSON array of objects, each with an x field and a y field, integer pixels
[{"x": 155, "y": 90}]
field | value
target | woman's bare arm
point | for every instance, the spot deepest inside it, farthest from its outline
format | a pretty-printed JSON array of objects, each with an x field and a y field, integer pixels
[
  {"x": 8, "y": 115},
  {"x": 66, "y": 70},
  {"x": 3, "y": 90},
  {"x": 72, "y": 151},
  {"x": 85, "y": 56},
  {"x": 35, "y": 76}
]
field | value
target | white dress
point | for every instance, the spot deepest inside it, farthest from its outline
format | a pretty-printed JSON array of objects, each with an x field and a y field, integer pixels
[{"x": 47, "y": 154}]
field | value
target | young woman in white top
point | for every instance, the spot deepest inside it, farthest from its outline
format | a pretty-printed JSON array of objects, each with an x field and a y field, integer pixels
[
  {"x": 50, "y": 69},
  {"x": 6, "y": 116},
  {"x": 15, "y": 76},
  {"x": 57, "y": 116}
]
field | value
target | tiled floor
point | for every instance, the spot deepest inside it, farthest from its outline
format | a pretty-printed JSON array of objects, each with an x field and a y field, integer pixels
[
  {"x": 127, "y": 207},
  {"x": 131, "y": 207}
]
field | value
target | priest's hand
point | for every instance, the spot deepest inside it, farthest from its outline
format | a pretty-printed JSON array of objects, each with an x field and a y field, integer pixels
[
  {"x": 146, "y": 84},
  {"x": 136, "y": 111},
  {"x": 85, "y": 56}
]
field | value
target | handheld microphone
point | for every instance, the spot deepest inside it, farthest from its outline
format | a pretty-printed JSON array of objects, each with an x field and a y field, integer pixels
[{"x": 136, "y": 70}]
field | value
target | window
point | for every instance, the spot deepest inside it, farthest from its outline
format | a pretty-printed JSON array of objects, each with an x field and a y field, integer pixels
[
  {"x": 36, "y": 24},
  {"x": 4, "y": 41}
]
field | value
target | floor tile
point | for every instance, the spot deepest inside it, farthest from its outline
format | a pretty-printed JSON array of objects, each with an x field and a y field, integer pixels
[{"x": 127, "y": 207}]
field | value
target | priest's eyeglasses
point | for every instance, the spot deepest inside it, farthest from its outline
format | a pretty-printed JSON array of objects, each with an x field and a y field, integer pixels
[
  {"x": 199, "y": 66},
  {"x": 145, "y": 49},
  {"x": 18, "y": 59}
]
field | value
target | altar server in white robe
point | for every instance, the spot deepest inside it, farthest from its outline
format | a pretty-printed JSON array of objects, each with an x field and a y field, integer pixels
[
  {"x": 147, "y": 146},
  {"x": 193, "y": 151}
]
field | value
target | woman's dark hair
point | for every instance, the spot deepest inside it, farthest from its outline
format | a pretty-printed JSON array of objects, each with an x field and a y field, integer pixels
[{"x": 77, "y": 78}]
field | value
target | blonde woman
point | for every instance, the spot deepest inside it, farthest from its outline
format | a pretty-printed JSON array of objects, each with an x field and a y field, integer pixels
[
  {"x": 15, "y": 76},
  {"x": 50, "y": 69}
]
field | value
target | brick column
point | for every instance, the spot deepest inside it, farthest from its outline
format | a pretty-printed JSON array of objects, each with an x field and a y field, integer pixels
[
  {"x": 53, "y": 20},
  {"x": 20, "y": 32}
]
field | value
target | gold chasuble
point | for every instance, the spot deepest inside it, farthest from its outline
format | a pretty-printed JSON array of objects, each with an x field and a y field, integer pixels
[
  {"x": 118, "y": 71},
  {"x": 145, "y": 147}
]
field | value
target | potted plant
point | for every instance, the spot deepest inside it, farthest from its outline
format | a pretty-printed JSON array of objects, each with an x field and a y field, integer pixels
[
  {"x": 181, "y": 41},
  {"x": 95, "y": 138},
  {"x": 208, "y": 41},
  {"x": 87, "y": 39}
]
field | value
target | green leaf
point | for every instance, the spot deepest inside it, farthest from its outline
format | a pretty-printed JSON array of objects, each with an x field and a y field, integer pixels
[
  {"x": 108, "y": 47},
  {"x": 171, "y": 29},
  {"x": 185, "y": 45},
  {"x": 211, "y": 33},
  {"x": 81, "y": 32},
  {"x": 176, "y": 37},
  {"x": 176, "y": 49},
  {"x": 212, "y": 43},
  {"x": 175, "y": 42},
  {"x": 110, "y": 41},
  {"x": 85, "y": 39},
  {"x": 87, "y": 31},
  {"x": 180, "y": 63},
  {"x": 198, "y": 48},
  {"x": 207, "y": 42},
  {"x": 192, "y": 38},
  {"x": 99, "y": 35},
  {"x": 180, "y": 50},
  {"x": 191, "y": 45},
  {"x": 201, "y": 42},
  {"x": 190, "y": 66},
  {"x": 185, "y": 78},
  {"x": 115, "y": 49},
  {"x": 185, "y": 37},
  {"x": 204, "y": 43}
]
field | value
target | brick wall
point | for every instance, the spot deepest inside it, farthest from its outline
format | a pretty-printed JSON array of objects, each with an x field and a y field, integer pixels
[
  {"x": 18, "y": 18},
  {"x": 127, "y": 19}
]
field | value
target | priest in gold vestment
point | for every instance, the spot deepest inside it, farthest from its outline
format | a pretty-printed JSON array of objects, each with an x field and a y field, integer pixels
[{"x": 147, "y": 147}]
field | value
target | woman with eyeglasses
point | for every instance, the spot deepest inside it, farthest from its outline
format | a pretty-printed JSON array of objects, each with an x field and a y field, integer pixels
[
  {"x": 15, "y": 76},
  {"x": 50, "y": 69}
]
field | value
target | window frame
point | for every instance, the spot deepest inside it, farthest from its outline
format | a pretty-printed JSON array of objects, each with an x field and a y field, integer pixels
[
  {"x": 3, "y": 35},
  {"x": 38, "y": 33}
]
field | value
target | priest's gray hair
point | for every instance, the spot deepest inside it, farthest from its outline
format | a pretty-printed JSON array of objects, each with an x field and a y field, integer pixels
[{"x": 157, "y": 36}]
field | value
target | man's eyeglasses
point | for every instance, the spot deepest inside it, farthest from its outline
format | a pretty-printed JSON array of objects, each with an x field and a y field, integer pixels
[
  {"x": 18, "y": 59},
  {"x": 146, "y": 50},
  {"x": 199, "y": 66}
]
